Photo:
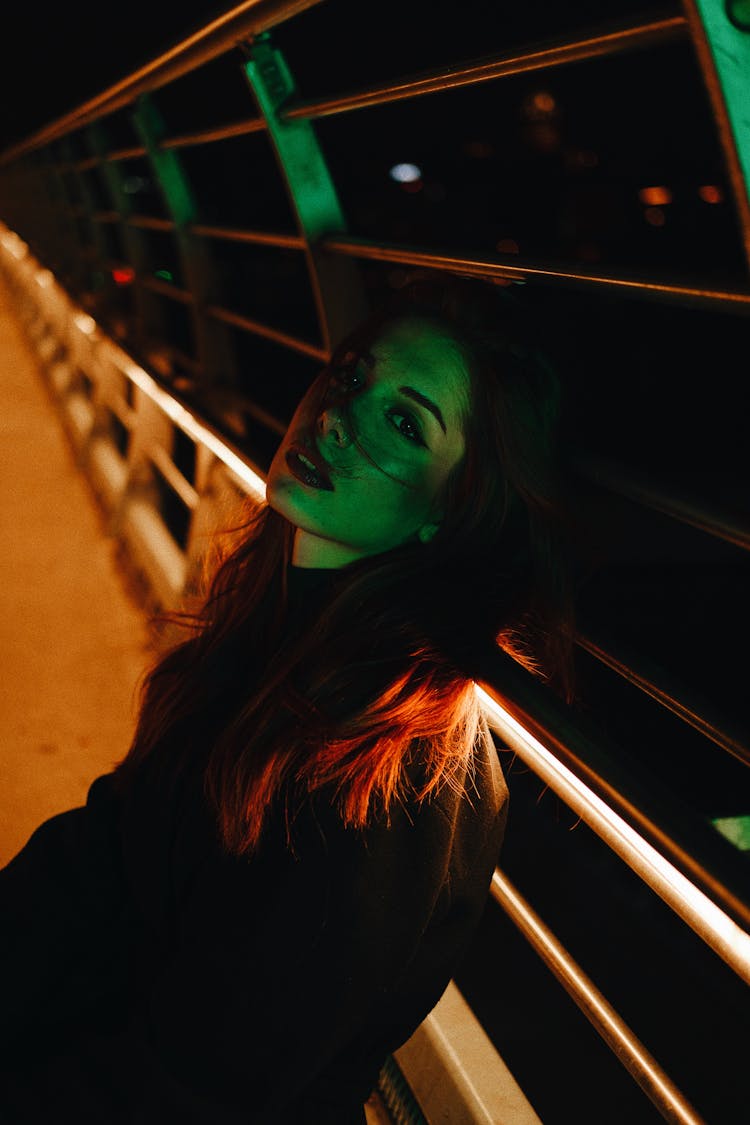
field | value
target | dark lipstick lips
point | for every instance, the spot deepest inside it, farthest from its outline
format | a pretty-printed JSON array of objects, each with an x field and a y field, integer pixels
[{"x": 315, "y": 459}]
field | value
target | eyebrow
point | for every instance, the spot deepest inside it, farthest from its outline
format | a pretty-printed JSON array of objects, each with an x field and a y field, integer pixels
[
  {"x": 426, "y": 402},
  {"x": 423, "y": 400}
]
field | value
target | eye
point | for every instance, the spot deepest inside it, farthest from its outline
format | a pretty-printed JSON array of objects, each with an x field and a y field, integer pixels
[
  {"x": 348, "y": 372},
  {"x": 409, "y": 428}
]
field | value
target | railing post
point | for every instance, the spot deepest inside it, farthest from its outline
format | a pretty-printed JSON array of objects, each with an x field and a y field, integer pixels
[
  {"x": 722, "y": 47},
  {"x": 215, "y": 356},
  {"x": 337, "y": 284}
]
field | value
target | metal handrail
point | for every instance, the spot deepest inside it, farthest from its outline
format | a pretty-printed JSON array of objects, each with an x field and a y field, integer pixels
[
  {"x": 219, "y": 133},
  {"x": 149, "y": 222},
  {"x": 635, "y": 795},
  {"x": 518, "y": 269},
  {"x": 223, "y": 33},
  {"x": 545, "y": 57},
  {"x": 668, "y": 500},
  {"x": 642, "y": 1066},
  {"x": 167, "y": 289},
  {"x": 588, "y": 775},
  {"x": 304, "y": 347},
  {"x": 258, "y": 237},
  {"x": 182, "y": 140},
  {"x": 135, "y": 152},
  {"x": 667, "y": 695},
  {"x": 255, "y": 16}
]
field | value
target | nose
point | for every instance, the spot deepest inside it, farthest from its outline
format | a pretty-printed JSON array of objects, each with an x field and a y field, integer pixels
[{"x": 330, "y": 422}]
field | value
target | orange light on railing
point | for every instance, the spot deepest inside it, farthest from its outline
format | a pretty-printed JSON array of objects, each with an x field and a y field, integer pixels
[
  {"x": 710, "y": 193},
  {"x": 506, "y": 246},
  {"x": 712, "y": 924},
  {"x": 84, "y": 323},
  {"x": 540, "y": 104},
  {"x": 655, "y": 196},
  {"x": 14, "y": 245},
  {"x": 193, "y": 428}
]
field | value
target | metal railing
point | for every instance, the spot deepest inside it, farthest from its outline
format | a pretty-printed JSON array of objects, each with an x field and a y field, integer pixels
[{"x": 98, "y": 386}]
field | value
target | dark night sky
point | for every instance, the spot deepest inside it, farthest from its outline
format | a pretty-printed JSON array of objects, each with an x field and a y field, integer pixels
[{"x": 73, "y": 52}]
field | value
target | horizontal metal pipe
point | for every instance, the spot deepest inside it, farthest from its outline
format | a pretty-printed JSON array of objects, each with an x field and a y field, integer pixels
[
  {"x": 216, "y": 38},
  {"x": 730, "y": 300},
  {"x": 220, "y": 133},
  {"x": 259, "y": 329},
  {"x": 628, "y": 482},
  {"x": 667, "y": 696},
  {"x": 202, "y": 137},
  {"x": 174, "y": 292},
  {"x": 149, "y": 222},
  {"x": 636, "y": 796},
  {"x": 485, "y": 70},
  {"x": 258, "y": 237},
  {"x": 270, "y": 421},
  {"x": 655, "y": 1083},
  {"x": 133, "y": 153}
]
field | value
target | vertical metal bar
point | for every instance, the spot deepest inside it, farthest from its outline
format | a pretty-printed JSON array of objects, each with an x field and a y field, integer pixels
[
  {"x": 723, "y": 51},
  {"x": 149, "y": 322},
  {"x": 76, "y": 265},
  {"x": 337, "y": 284},
  {"x": 643, "y": 1067},
  {"x": 214, "y": 353}
]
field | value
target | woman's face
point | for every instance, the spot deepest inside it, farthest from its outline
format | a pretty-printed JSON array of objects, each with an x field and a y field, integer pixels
[{"x": 404, "y": 399}]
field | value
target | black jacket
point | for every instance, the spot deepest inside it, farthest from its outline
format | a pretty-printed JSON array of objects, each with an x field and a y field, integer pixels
[{"x": 148, "y": 979}]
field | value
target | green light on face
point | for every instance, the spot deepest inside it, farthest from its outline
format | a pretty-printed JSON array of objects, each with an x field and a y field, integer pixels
[{"x": 165, "y": 275}]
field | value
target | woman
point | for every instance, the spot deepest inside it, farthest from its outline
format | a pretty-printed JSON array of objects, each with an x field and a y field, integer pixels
[{"x": 274, "y": 887}]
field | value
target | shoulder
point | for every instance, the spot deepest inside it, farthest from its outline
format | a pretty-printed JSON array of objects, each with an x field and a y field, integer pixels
[
  {"x": 479, "y": 790},
  {"x": 466, "y": 812},
  {"x": 488, "y": 771}
]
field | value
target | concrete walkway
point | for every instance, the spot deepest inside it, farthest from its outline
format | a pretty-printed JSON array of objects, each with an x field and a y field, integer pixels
[{"x": 73, "y": 637}]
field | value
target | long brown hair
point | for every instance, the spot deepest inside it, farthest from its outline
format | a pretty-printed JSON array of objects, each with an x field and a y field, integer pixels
[{"x": 381, "y": 673}]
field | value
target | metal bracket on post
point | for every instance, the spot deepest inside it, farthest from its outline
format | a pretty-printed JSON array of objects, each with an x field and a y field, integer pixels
[
  {"x": 338, "y": 287},
  {"x": 721, "y": 39}
]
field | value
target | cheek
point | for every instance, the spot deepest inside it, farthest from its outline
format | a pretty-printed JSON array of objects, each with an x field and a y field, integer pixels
[
  {"x": 389, "y": 504},
  {"x": 311, "y": 402}
]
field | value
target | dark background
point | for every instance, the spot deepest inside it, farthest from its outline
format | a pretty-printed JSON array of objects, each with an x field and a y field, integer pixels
[{"x": 62, "y": 55}]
